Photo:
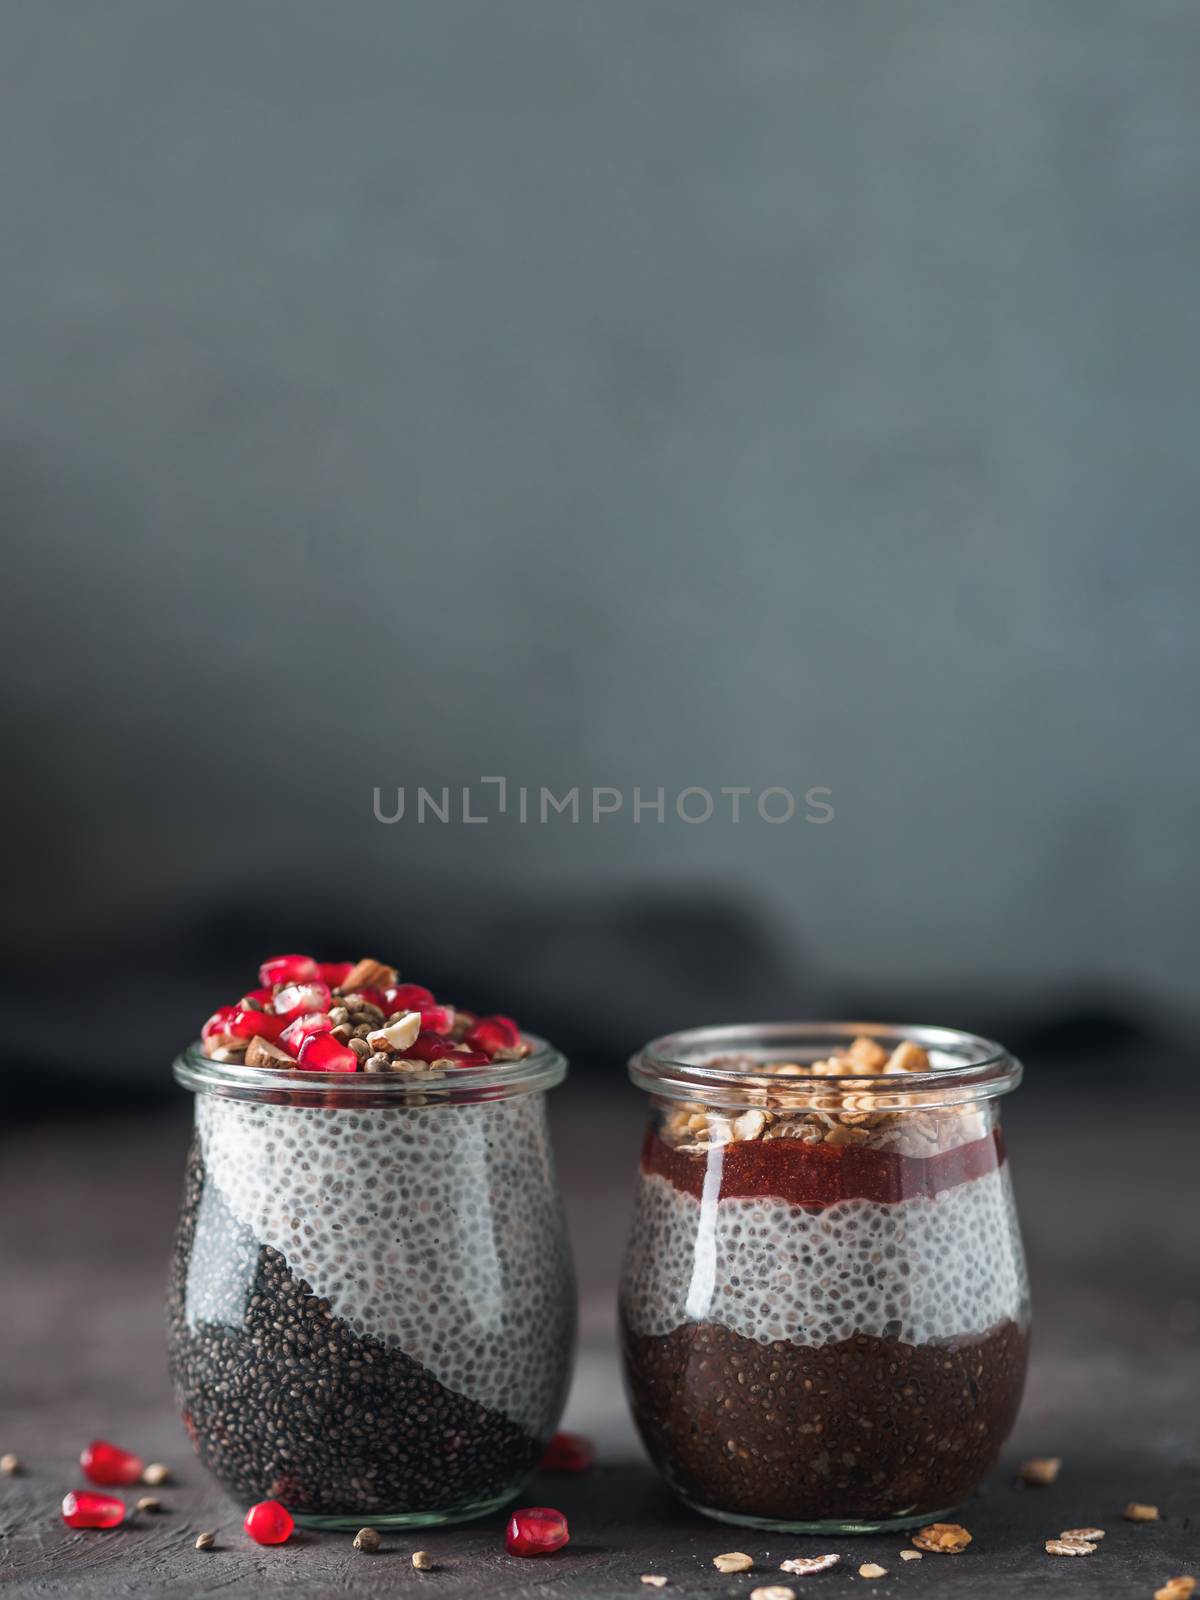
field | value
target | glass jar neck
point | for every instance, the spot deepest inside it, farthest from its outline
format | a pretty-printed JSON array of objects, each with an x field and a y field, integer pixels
[
  {"x": 474, "y": 1085},
  {"x": 745, "y": 1064}
]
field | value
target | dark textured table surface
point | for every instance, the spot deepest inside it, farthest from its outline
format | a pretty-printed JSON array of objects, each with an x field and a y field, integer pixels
[{"x": 1108, "y": 1188}]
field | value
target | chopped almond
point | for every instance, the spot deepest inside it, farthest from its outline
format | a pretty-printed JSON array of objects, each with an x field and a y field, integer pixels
[
  {"x": 1082, "y": 1533},
  {"x": 1134, "y": 1512},
  {"x": 869, "y": 1569},
  {"x": 1069, "y": 1547},
  {"x": 910, "y": 1555},
  {"x": 368, "y": 974},
  {"x": 261, "y": 1052},
  {"x": 773, "y": 1591},
  {"x": 654, "y": 1580}
]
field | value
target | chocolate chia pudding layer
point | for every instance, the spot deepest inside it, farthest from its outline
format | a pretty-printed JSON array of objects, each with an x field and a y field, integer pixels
[
  {"x": 860, "y": 1429},
  {"x": 283, "y": 1399}
]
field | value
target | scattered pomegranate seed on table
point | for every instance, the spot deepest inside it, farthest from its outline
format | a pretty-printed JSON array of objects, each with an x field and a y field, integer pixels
[
  {"x": 107, "y": 1464},
  {"x": 536, "y": 1531},
  {"x": 269, "y": 1523},
  {"x": 568, "y": 1452},
  {"x": 82, "y": 1509}
]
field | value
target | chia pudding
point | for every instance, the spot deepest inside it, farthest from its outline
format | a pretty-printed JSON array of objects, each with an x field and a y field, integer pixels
[
  {"x": 824, "y": 1306},
  {"x": 371, "y": 1307}
]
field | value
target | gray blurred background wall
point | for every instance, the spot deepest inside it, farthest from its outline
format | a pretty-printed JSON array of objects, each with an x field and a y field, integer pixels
[{"x": 770, "y": 394}]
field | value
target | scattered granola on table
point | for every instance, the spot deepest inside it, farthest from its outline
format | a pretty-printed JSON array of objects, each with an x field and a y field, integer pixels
[
  {"x": 733, "y": 1561},
  {"x": 1176, "y": 1589},
  {"x": 942, "y": 1538},
  {"x": 805, "y": 1566},
  {"x": 1040, "y": 1471},
  {"x": 1069, "y": 1547}
]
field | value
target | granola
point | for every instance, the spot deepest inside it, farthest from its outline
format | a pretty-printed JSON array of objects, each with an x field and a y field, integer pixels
[{"x": 942, "y": 1538}]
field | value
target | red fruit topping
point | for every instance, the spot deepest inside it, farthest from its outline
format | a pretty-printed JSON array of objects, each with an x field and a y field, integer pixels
[
  {"x": 536, "y": 1531},
  {"x": 568, "y": 1452},
  {"x": 471, "y": 1058},
  {"x": 87, "y": 1510},
  {"x": 335, "y": 973},
  {"x": 407, "y": 997},
  {"x": 321, "y": 1052},
  {"x": 373, "y": 997},
  {"x": 105, "y": 1463},
  {"x": 245, "y": 1023},
  {"x": 298, "y": 999},
  {"x": 287, "y": 969},
  {"x": 294, "y": 1035},
  {"x": 436, "y": 1019},
  {"x": 430, "y": 1047},
  {"x": 268, "y": 1522},
  {"x": 494, "y": 1033},
  {"x": 216, "y": 1023},
  {"x": 263, "y": 996}
]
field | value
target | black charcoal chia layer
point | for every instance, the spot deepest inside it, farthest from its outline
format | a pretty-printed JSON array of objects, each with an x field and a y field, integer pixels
[{"x": 371, "y": 1311}]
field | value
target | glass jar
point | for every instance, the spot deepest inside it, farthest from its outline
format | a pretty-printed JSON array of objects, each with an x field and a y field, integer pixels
[
  {"x": 371, "y": 1309},
  {"x": 824, "y": 1305}
]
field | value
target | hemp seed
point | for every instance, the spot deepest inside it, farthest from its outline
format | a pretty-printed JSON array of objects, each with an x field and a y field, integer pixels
[
  {"x": 9, "y": 1465},
  {"x": 205, "y": 1541}
]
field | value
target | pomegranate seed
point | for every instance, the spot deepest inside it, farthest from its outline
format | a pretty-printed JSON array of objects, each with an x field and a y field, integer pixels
[
  {"x": 536, "y": 1531},
  {"x": 430, "y": 1047},
  {"x": 216, "y": 1023},
  {"x": 494, "y": 1033},
  {"x": 287, "y": 969},
  {"x": 105, "y": 1463},
  {"x": 471, "y": 1058},
  {"x": 263, "y": 996},
  {"x": 321, "y": 1052},
  {"x": 407, "y": 997},
  {"x": 373, "y": 997},
  {"x": 294, "y": 1035},
  {"x": 335, "y": 973},
  {"x": 87, "y": 1510},
  {"x": 298, "y": 999},
  {"x": 245, "y": 1023},
  {"x": 568, "y": 1452},
  {"x": 268, "y": 1522},
  {"x": 436, "y": 1019}
]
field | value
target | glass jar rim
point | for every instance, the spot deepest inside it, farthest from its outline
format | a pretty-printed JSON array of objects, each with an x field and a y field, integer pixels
[
  {"x": 965, "y": 1067},
  {"x": 533, "y": 1074}
]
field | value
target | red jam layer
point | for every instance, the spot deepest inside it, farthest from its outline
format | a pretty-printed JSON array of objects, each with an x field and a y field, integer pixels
[{"x": 821, "y": 1174}]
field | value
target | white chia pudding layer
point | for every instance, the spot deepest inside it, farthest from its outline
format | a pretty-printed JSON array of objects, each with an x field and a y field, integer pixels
[
  {"x": 918, "y": 1270},
  {"x": 436, "y": 1230}
]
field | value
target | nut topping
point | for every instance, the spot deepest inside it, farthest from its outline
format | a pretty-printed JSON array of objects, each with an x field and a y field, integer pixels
[
  {"x": 872, "y": 1569},
  {"x": 368, "y": 974},
  {"x": 910, "y": 1555},
  {"x": 1082, "y": 1533},
  {"x": 1134, "y": 1512},
  {"x": 773, "y": 1591},
  {"x": 654, "y": 1580}
]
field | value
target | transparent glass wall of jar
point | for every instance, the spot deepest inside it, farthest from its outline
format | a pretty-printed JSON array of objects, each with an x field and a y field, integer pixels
[
  {"x": 824, "y": 1306},
  {"x": 371, "y": 1308}
]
